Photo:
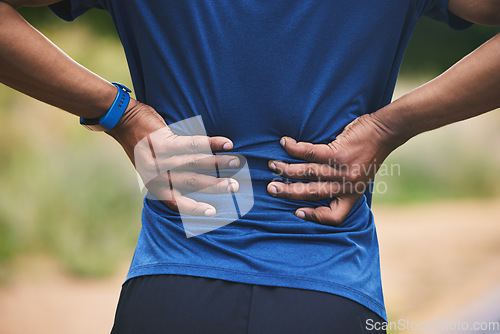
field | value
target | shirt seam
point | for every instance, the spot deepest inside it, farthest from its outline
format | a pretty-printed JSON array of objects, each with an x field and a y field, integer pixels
[{"x": 250, "y": 309}]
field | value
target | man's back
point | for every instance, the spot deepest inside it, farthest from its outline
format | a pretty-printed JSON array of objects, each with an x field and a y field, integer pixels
[{"x": 256, "y": 71}]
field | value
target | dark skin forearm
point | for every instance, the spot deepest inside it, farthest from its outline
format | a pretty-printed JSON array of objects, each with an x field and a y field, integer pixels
[
  {"x": 469, "y": 88},
  {"x": 33, "y": 65}
]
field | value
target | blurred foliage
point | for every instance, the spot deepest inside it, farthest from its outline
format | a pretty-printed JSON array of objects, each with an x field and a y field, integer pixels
[
  {"x": 64, "y": 191},
  {"x": 98, "y": 21},
  {"x": 434, "y": 47},
  {"x": 73, "y": 194}
]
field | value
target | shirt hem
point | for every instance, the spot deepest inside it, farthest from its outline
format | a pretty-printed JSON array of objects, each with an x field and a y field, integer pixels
[{"x": 238, "y": 276}]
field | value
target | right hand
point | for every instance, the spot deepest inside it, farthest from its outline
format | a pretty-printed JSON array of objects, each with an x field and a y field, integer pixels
[{"x": 169, "y": 164}]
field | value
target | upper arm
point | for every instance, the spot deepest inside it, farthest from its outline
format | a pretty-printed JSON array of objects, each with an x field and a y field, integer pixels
[
  {"x": 486, "y": 12},
  {"x": 29, "y": 3}
]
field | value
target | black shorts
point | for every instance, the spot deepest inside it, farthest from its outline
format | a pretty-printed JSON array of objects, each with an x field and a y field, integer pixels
[{"x": 196, "y": 305}]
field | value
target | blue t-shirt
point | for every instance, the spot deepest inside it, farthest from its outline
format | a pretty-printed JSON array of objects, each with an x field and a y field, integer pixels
[{"x": 255, "y": 71}]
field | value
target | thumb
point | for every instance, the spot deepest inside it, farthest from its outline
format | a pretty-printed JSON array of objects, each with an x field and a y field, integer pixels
[{"x": 332, "y": 215}]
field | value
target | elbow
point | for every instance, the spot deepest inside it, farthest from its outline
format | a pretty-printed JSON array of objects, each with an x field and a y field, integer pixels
[
  {"x": 493, "y": 19},
  {"x": 496, "y": 21},
  {"x": 12, "y": 4},
  {"x": 5, "y": 8},
  {"x": 491, "y": 14},
  {"x": 485, "y": 12}
]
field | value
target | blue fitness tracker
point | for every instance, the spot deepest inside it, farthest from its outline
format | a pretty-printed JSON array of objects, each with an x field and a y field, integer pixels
[{"x": 115, "y": 112}]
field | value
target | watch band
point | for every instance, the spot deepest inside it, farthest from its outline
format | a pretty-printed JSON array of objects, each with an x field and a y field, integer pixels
[{"x": 115, "y": 112}]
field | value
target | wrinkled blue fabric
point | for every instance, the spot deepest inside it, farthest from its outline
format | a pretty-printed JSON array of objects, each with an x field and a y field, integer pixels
[{"x": 257, "y": 70}]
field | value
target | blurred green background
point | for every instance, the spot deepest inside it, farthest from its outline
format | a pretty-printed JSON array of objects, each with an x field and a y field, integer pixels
[{"x": 73, "y": 195}]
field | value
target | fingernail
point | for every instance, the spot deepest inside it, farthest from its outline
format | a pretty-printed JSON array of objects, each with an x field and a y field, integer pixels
[
  {"x": 227, "y": 146},
  {"x": 210, "y": 212},
  {"x": 283, "y": 141},
  {"x": 272, "y": 166},
  {"x": 234, "y": 163},
  {"x": 233, "y": 186},
  {"x": 300, "y": 214},
  {"x": 273, "y": 190}
]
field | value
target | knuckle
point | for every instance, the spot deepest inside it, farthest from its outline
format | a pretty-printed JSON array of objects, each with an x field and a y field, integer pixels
[
  {"x": 337, "y": 154},
  {"x": 221, "y": 185},
  {"x": 314, "y": 194},
  {"x": 309, "y": 154},
  {"x": 194, "y": 146},
  {"x": 193, "y": 163},
  {"x": 218, "y": 185},
  {"x": 310, "y": 171},
  {"x": 221, "y": 161},
  {"x": 332, "y": 220},
  {"x": 285, "y": 192},
  {"x": 334, "y": 150},
  {"x": 315, "y": 217},
  {"x": 350, "y": 177},
  {"x": 171, "y": 204},
  {"x": 283, "y": 169},
  {"x": 191, "y": 182}
]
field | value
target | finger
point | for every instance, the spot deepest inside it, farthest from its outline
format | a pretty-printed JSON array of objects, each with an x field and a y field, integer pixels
[
  {"x": 175, "y": 201},
  {"x": 220, "y": 144},
  {"x": 199, "y": 144},
  {"x": 149, "y": 166},
  {"x": 320, "y": 153},
  {"x": 312, "y": 191},
  {"x": 188, "y": 206},
  {"x": 306, "y": 171},
  {"x": 332, "y": 215},
  {"x": 164, "y": 143},
  {"x": 191, "y": 162},
  {"x": 193, "y": 182},
  {"x": 167, "y": 147}
]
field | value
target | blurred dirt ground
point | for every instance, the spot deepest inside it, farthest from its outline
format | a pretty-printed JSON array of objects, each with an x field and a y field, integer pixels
[{"x": 436, "y": 259}]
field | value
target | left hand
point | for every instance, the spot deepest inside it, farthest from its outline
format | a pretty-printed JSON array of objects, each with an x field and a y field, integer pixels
[{"x": 341, "y": 170}]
